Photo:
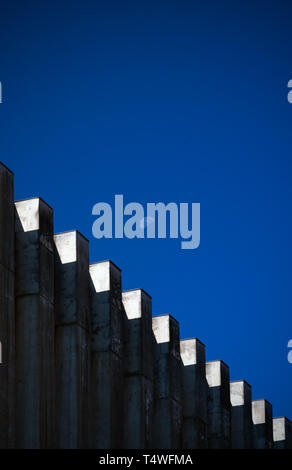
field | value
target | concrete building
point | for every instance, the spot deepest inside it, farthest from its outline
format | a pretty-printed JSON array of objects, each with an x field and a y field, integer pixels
[
  {"x": 241, "y": 415},
  {"x": 194, "y": 394},
  {"x": 167, "y": 433},
  {"x": 107, "y": 353},
  {"x": 138, "y": 370},
  {"x": 85, "y": 365},
  {"x": 7, "y": 309},
  {"x": 282, "y": 433},
  {"x": 34, "y": 324},
  {"x": 262, "y": 416},
  {"x": 219, "y": 406}
]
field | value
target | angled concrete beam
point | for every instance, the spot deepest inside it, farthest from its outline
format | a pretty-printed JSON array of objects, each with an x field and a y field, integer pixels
[
  {"x": 195, "y": 394},
  {"x": 262, "y": 413},
  {"x": 241, "y": 415},
  {"x": 167, "y": 384},
  {"x": 35, "y": 327},
  {"x": 219, "y": 406},
  {"x": 107, "y": 398},
  {"x": 138, "y": 364},
  {"x": 282, "y": 433},
  {"x": 72, "y": 340},
  {"x": 7, "y": 310}
]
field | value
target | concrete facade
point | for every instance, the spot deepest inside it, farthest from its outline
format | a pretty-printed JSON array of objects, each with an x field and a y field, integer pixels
[
  {"x": 194, "y": 395},
  {"x": 219, "y": 406},
  {"x": 282, "y": 433},
  {"x": 262, "y": 413},
  {"x": 72, "y": 340},
  {"x": 241, "y": 415},
  {"x": 138, "y": 368},
  {"x": 7, "y": 310},
  {"x": 85, "y": 365},
  {"x": 34, "y": 324},
  {"x": 167, "y": 432},
  {"x": 107, "y": 350}
]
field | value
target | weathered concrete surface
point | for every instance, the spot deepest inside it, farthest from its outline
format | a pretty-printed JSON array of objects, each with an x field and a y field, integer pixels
[
  {"x": 195, "y": 393},
  {"x": 107, "y": 356},
  {"x": 262, "y": 413},
  {"x": 219, "y": 406},
  {"x": 138, "y": 367},
  {"x": 241, "y": 415},
  {"x": 116, "y": 373},
  {"x": 7, "y": 310},
  {"x": 34, "y": 324},
  {"x": 6, "y": 218},
  {"x": 282, "y": 433},
  {"x": 167, "y": 433},
  {"x": 72, "y": 340}
]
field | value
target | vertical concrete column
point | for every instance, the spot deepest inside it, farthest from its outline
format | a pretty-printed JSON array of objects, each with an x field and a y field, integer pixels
[
  {"x": 282, "y": 433},
  {"x": 195, "y": 394},
  {"x": 219, "y": 406},
  {"x": 7, "y": 319},
  {"x": 167, "y": 432},
  {"x": 241, "y": 415},
  {"x": 72, "y": 340},
  {"x": 138, "y": 367},
  {"x": 262, "y": 414},
  {"x": 35, "y": 327},
  {"x": 106, "y": 356}
]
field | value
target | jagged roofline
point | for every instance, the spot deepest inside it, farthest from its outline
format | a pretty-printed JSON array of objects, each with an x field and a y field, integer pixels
[{"x": 116, "y": 358}]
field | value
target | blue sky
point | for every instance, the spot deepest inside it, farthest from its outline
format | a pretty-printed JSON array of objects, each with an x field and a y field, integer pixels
[{"x": 177, "y": 101}]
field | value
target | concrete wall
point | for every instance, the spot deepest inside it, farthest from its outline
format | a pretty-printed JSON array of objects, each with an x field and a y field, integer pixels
[
  {"x": 72, "y": 340},
  {"x": 282, "y": 433},
  {"x": 262, "y": 413},
  {"x": 167, "y": 433},
  {"x": 7, "y": 312},
  {"x": 241, "y": 415},
  {"x": 139, "y": 370},
  {"x": 35, "y": 324},
  {"x": 219, "y": 406},
  {"x": 107, "y": 352},
  {"x": 85, "y": 365},
  {"x": 194, "y": 394}
]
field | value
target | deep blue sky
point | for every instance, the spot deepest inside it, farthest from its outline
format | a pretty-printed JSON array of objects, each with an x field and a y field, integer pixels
[{"x": 182, "y": 101}]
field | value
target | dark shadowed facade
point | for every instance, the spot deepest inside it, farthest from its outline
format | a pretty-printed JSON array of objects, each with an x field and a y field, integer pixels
[{"x": 85, "y": 365}]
